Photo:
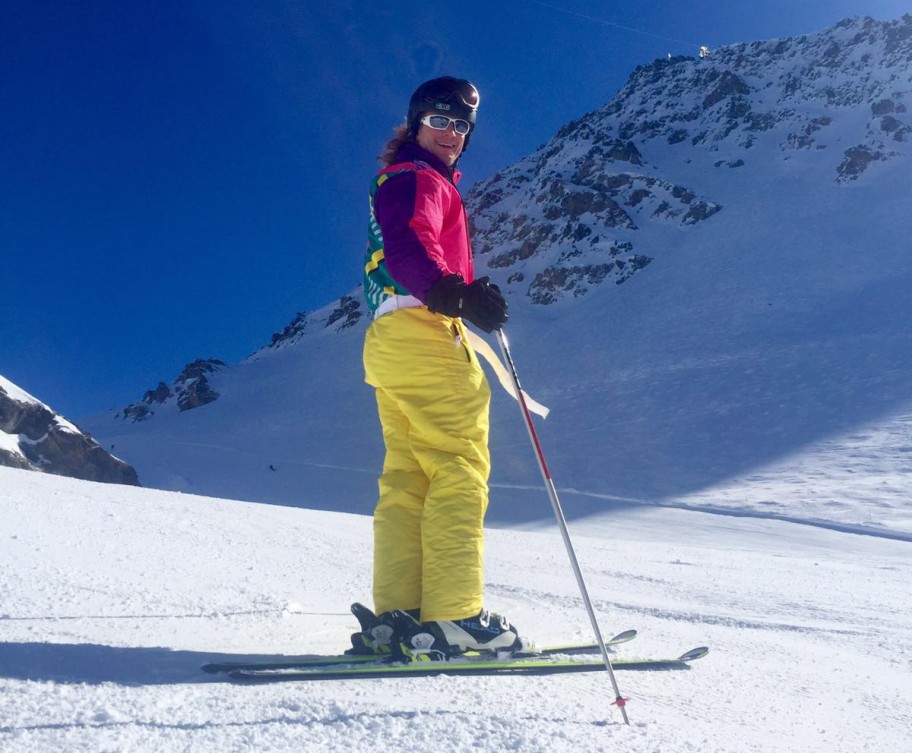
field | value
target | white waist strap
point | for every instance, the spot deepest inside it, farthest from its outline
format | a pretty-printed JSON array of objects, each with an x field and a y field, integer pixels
[
  {"x": 480, "y": 346},
  {"x": 396, "y": 302}
]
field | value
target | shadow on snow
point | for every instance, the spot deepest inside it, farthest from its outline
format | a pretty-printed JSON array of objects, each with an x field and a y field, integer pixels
[{"x": 93, "y": 664}]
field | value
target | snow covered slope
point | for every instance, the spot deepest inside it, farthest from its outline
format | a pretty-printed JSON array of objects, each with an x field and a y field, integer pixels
[
  {"x": 708, "y": 281},
  {"x": 112, "y": 596}
]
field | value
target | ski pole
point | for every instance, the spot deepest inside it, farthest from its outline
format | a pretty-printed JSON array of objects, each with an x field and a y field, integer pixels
[{"x": 619, "y": 700}]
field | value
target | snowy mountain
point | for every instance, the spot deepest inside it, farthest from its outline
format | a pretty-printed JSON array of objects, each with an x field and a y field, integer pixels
[
  {"x": 34, "y": 437},
  {"x": 708, "y": 283},
  {"x": 586, "y": 207}
]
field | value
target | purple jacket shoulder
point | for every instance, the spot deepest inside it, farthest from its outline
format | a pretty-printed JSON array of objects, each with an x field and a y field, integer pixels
[{"x": 423, "y": 222}]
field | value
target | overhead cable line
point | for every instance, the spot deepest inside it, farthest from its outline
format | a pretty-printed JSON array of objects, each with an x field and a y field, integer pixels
[{"x": 614, "y": 25}]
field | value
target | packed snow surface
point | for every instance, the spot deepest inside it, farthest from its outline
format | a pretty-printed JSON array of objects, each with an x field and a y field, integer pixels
[{"x": 111, "y": 597}]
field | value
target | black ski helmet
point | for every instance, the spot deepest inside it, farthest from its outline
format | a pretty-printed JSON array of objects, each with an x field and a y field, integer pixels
[{"x": 446, "y": 95}]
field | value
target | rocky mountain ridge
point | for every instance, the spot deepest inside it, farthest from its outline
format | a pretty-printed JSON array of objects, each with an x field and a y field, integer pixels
[
  {"x": 568, "y": 217},
  {"x": 347, "y": 312},
  {"x": 191, "y": 389},
  {"x": 196, "y": 385},
  {"x": 33, "y": 437}
]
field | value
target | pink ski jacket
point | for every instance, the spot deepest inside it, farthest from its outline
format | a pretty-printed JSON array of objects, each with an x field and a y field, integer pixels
[{"x": 418, "y": 228}]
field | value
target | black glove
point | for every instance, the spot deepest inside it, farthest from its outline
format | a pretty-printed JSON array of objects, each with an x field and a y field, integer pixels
[{"x": 480, "y": 301}]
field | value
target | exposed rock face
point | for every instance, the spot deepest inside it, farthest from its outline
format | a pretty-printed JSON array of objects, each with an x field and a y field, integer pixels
[
  {"x": 190, "y": 390},
  {"x": 856, "y": 162},
  {"x": 336, "y": 317},
  {"x": 566, "y": 219},
  {"x": 39, "y": 439}
]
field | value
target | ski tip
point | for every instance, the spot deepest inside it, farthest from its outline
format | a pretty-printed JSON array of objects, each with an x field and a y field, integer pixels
[
  {"x": 627, "y": 635},
  {"x": 360, "y": 611},
  {"x": 366, "y": 618},
  {"x": 695, "y": 653}
]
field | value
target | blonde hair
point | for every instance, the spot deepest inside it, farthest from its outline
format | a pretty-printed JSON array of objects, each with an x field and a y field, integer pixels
[{"x": 400, "y": 137}]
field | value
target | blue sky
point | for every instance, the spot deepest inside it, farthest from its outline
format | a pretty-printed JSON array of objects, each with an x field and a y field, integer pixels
[{"x": 178, "y": 178}]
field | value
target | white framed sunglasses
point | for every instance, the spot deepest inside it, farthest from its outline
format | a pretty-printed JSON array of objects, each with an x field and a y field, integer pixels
[{"x": 442, "y": 122}]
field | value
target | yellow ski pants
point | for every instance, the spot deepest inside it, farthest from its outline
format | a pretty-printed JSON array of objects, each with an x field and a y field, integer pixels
[{"x": 433, "y": 399}]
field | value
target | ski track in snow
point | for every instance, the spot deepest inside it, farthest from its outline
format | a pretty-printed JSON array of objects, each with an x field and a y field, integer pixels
[{"x": 112, "y": 597}]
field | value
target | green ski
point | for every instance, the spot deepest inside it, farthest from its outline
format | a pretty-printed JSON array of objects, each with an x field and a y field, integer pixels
[
  {"x": 539, "y": 665},
  {"x": 374, "y": 659}
]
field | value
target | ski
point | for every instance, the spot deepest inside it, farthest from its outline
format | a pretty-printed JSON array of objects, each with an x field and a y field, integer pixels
[
  {"x": 384, "y": 659},
  {"x": 540, "y": 665}
]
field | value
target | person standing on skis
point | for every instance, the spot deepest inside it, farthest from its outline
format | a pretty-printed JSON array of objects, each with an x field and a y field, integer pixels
[{"x": 432, "y": 395}]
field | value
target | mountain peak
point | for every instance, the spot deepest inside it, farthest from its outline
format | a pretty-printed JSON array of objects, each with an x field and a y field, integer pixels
[
  {"x": 336, "y": 317},
  {"x": 587, "y": 207},
  {"x": 191, "y": 389},
  {"x": 34, "y": 437}
]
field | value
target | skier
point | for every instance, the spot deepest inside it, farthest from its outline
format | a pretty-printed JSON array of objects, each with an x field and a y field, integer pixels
[{"x": 432, "y": 395}]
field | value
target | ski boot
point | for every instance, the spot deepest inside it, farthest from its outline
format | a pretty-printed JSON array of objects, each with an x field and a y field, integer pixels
[
  {"x": 441, "y": 640},
  {"x": 377, "y": 631}
]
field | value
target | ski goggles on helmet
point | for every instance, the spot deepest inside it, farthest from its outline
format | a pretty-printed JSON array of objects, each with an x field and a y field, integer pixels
[
  {"x": 449, "y": 89},
  {"x": 450, "y": 96},
  {"x": 442, "y": 122}
]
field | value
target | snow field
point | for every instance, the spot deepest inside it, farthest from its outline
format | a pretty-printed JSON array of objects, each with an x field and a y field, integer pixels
[{"x": 112, "y": 597}]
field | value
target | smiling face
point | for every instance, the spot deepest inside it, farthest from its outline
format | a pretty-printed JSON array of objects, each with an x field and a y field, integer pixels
[{"x": 446, "y": 145}]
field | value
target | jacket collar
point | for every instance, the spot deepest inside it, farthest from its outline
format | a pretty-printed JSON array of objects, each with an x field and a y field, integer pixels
[{"x": 410, "y": 152}]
